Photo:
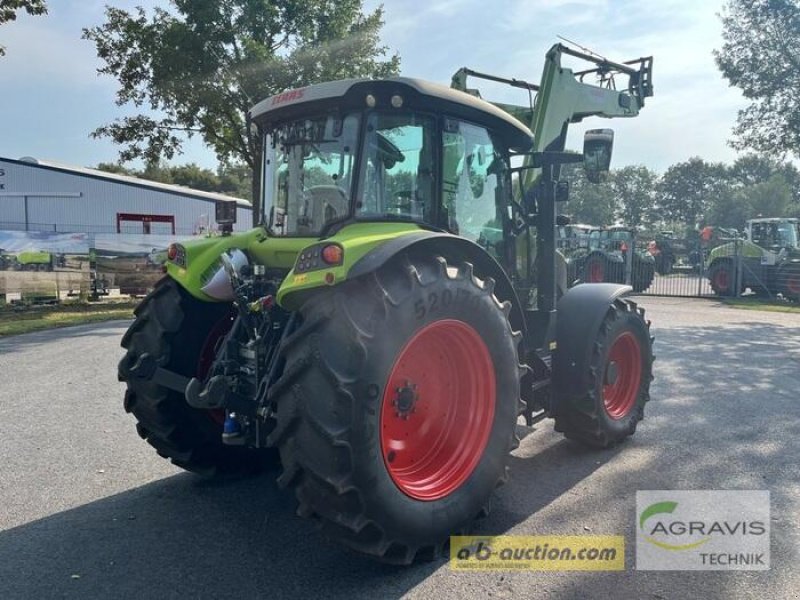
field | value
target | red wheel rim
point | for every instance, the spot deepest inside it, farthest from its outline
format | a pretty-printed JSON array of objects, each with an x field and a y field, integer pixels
[
  {"x": 596, "y": 272},
  {"x": 207, "y": 355},
  {"x": 623, "y": 376},
  {"x": 793, "y": 285},
  {"x": 437, "y": 410},
  {"x": 722, "y": 280}
]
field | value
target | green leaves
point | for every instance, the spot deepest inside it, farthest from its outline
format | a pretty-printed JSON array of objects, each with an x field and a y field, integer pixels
[
  {"x": 197, "y": 68},
  {"x": 9, "y": 9},
  {"x": 688, "y": 193},
  {"x": 761, "y": 56}
]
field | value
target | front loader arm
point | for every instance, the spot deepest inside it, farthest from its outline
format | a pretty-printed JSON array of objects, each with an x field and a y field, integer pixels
[{"x": 564, "y": 96}]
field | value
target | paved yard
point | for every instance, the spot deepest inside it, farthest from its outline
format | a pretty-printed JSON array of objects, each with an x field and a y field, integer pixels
[{"x": 89, "y": 511}]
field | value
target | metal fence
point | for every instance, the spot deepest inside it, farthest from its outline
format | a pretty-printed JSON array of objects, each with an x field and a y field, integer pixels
[{"x": 722, "y": 266}]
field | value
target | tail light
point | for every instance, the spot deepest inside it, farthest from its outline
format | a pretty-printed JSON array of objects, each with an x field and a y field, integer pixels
[{"x": 333, "y": 254}]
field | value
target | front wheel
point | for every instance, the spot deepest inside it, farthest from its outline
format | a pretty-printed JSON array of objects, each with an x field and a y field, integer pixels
[
  {"x": 722, "y": 277},
  {"x": 396, "y": 411},
  {"x": 619, "y": 378},
  {"x": 790, "y": 282}
]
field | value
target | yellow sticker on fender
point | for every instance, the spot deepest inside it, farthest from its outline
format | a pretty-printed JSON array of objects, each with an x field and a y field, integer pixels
[{"x": 300, "y": 278}]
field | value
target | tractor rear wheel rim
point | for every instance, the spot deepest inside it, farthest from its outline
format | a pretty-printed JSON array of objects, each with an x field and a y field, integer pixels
[
  {"x": 437, "y": 410},
  {"x": 722, "y": 280},
  {"x": 625, "y": 360},
  {"x": 207, "y": 355},
  {"x": 596, "y": 272},
  {"x": 794, "y": 283}
]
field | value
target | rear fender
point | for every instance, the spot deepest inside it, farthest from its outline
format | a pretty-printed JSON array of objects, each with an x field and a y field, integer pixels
[
  {"x": 454, "y": 249},
  {"x": 580, "y": 313}
]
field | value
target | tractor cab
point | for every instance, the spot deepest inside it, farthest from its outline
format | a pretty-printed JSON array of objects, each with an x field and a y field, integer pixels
[
  {"x": 399, "y": 150},
  {"x": 774, "y": 234}
]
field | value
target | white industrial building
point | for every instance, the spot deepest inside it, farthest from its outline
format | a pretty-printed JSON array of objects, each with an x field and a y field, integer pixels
[{"x": 43, "y": 196}]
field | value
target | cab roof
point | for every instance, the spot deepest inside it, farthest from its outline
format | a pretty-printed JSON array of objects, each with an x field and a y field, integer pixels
[
  {"x": 775, "y": 220},
  {"x": 417, "y": 94}
]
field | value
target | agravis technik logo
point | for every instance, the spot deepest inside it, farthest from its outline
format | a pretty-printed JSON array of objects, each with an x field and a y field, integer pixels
[{"x": 702, "y": 530}]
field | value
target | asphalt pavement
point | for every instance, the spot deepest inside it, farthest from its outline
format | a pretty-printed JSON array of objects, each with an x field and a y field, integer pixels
[{"x": 88, "y": 510}]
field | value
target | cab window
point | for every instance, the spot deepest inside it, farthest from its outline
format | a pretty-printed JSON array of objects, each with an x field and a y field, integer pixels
[{"x": 473, "y": 173}]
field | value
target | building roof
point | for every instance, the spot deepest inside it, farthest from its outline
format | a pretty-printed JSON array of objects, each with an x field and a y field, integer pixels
[{"x": 167, "y": 188}]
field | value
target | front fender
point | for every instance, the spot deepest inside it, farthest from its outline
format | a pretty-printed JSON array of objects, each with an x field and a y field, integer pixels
[{"x": 580, "y": 313}]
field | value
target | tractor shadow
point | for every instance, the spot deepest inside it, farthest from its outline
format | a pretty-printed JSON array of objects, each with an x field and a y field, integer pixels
[
  {"x": 181, "y": 537},
  {"x": 724, "y": 416}
]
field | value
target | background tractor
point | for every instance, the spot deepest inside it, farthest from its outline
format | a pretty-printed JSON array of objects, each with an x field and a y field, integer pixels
[
  {"x": 37, "y": 260},
  {"x": 662, "y": 249},
  {"x": 766, "y": 260},
  {"x": 606, "y": 256},
  {"x": 395, "y": 314}
]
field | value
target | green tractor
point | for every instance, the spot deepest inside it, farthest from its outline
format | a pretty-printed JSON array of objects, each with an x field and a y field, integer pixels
[
  {"x": 767, "y": 260},
  {"x": 35, "y": 260},
  {"x": 605, "y": 258},
  {"x": 396, "y": 312}
]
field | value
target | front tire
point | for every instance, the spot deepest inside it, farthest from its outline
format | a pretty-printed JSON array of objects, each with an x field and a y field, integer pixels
[
  {"x": 396, "y": 411},
  {"x": 620, "y": 373},
  {"x": 175, "y": 328},
  {"x": 790, "y": 282},
  {"x": 722, "y": 277}
]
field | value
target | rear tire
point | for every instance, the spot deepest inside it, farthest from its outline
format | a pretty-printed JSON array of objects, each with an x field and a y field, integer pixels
[
  {"x": 595, "y": 269},
  {"x": 722, "y": 278},
  {"x": 643, "y": 274},
  {"x": 375, "y": 365},
  {"x": 664, "y": 264},
  {"x": 790, "y": 282},
  {"x": 620, "y": 371},
  {"x": 174, "y": 327}
]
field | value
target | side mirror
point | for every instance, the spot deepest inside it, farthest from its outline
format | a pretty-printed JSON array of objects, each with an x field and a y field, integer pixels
[
  {"x": 225, "y": 215},
  {"x": 597, "y": 147},
  {"x": 562, "y": 220}
]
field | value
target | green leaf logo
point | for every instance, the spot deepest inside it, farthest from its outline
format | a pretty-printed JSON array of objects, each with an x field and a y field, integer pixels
[{"x": 667, "y": 507}]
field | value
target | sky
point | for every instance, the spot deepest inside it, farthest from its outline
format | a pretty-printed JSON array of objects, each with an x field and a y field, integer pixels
[{"x": 51, "y": 97}]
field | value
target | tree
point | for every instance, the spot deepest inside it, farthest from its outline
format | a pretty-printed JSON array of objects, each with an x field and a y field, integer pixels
[
  {"x": 771, "y": 198},
  {"x": 730, "y": 210},
  {"x": 590, "y": 203},
  {"x": 760, "y": 56},
  {"x": 234, "y": 181},
  {"x": 751, "y": 169},
  {"x": 688, "y": 189},
  {"x": 9, "y": 9},
  {"x": 199, "y": 67},
  {"x": 634, "y": 189}
]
